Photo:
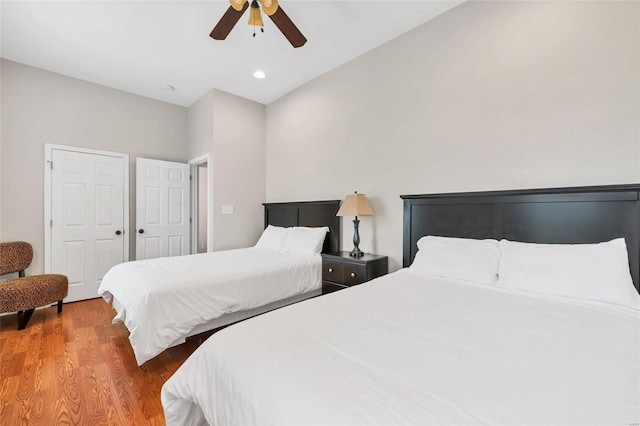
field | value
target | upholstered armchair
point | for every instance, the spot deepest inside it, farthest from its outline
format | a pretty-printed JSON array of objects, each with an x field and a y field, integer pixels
[{"x": 24, "y": 294}]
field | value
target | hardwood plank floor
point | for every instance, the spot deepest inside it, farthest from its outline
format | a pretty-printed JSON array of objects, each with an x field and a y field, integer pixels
[{"x": 76, "y": 368}]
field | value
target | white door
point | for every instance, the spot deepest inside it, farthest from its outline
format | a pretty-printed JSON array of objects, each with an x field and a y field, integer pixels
[
  {"x": 87, "y": 218},
  {"x": 162, "y": 209}
]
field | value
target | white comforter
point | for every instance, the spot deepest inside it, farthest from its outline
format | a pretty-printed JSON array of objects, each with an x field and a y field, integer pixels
[
  {"x": 406, "y": 349},
  {"x": 162, "y": 300}
]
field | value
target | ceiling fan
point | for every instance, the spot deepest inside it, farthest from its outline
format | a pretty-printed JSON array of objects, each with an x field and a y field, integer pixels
[{"x": 273, "y": 11}]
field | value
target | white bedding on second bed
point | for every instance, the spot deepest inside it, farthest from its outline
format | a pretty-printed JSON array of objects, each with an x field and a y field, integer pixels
[
  {"x": 407, "y": 349},
  {"x": 162, "y": 300}
]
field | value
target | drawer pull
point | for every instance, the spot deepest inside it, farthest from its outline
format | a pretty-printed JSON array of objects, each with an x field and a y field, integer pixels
[
  {"x": 330, "y": 269},
  {"x": 353, "y": 275}
]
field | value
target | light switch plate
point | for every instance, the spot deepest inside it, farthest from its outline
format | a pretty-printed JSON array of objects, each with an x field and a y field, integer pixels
[{"x": 227, "y": 209}]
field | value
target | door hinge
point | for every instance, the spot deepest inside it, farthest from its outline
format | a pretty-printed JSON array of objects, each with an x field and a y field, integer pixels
[
  {"x": 51, "y": 165},
  {"x": 190, "y": 177},
  {"x": 50, "y": 223},
  {"x": 190, "y": 220}
]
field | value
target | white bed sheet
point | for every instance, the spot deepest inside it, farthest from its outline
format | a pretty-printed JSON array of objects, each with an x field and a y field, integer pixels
[
  {"x": 407, "y": 349},
  {"x": 163, "y": 300},
  {"x": 234, "y": 317}
]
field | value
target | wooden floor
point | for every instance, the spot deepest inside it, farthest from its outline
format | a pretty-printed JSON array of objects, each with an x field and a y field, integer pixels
[{"x": 76, "y": 368}]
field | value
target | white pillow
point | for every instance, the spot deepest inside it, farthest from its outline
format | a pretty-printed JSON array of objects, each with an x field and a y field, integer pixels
[
  {"x": 466, "y": 259},
  {"x": 304, "y": 240},
  {"x": 273, "y": 238},
  {"x": 598, "y": 272}
]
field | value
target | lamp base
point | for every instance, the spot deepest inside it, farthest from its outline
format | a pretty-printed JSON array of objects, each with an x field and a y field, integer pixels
[{"x": 356, "y": 252}]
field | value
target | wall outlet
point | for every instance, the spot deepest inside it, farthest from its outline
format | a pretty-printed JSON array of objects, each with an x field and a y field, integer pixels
[{"x": 227, "y": 209}]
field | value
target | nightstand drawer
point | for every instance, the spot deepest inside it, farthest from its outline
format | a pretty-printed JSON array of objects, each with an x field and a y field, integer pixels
[
  {"x": 341, "y": 270},
  {"x": 332, "y": 270},
  {"x": 353, "y": 273}
]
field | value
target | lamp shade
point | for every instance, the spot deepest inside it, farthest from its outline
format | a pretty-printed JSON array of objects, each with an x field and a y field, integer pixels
[{"x": 355, "y": 205}]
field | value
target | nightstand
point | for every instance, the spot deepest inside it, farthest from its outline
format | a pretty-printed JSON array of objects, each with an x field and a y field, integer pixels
[{"x": 339, "y": 270}]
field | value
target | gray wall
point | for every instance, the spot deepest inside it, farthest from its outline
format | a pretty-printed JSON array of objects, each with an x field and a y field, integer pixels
[
  {"x": 232, "y": 131},
  {"x": 200, "y": 126},
  {"x": 490, "y": 95},
  {"x": 41, "y": 107}
]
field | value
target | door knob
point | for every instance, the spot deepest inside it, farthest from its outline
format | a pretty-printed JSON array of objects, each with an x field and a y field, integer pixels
[
  {"x": 141, "y": 231},
  {"x": 118, "y": 232}
]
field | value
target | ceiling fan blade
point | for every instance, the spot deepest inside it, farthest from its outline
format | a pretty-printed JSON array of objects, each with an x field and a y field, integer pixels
[
  {"x": 288, "y": 28},
  {"x": 227, "y": 22},
  {"x": 269, "y": 6}
]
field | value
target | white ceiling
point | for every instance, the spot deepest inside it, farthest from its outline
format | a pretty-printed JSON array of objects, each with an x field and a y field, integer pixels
[{"x": 138, "y": 46}]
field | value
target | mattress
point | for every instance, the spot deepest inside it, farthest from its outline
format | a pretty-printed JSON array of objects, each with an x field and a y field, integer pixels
[
  {"x": 161, "y": 301},
  {"x": 407, "y": 349}
]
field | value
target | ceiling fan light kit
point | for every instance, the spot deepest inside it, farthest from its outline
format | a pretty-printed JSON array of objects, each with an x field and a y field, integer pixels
[{"x": 273, "y": 11}]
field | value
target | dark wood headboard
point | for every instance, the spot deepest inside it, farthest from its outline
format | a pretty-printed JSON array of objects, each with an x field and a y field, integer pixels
[
  {"x": 555, "y": 216},
  {"x": 307, "y": 213}
]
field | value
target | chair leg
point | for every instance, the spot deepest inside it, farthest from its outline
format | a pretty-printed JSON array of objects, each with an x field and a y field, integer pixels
[
  {"x": 59, "y": 306},
  {"x": 25, "y": 318}
]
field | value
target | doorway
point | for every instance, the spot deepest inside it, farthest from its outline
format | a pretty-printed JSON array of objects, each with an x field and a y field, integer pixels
[
  {"x": 86, "y": 215},
  {"x": 200, "y": 196}
]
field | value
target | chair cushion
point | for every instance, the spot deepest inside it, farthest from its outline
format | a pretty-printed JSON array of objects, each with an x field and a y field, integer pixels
[
  {"x": 31, "y": 292},
  {"x": 15, "y": 256}
]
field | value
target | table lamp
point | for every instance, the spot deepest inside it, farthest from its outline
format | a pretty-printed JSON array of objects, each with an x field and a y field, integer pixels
[{"x": 355, "y": 205}]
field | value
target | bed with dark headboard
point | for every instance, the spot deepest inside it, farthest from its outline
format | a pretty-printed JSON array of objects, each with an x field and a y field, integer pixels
[
  {"x": 555, "y": 216},
  {"x": 307, "y": 213},
  {"x": 181, "y": 297},
  {"x": 465, "y": 352}
]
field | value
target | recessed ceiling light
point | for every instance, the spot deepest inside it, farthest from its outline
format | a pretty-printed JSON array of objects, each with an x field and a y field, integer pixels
[
  {"x": 259, "y": 74},
  {"x": 168, "y": 87}
]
